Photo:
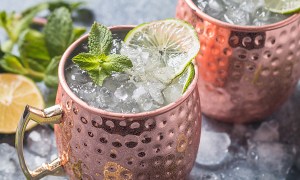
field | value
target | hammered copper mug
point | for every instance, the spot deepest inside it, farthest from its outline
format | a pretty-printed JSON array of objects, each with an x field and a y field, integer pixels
[
  {"x": 245, "y": 72},
  {"x": 96, "y": 144}
]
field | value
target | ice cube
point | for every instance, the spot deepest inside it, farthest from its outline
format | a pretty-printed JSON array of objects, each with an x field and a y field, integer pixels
[
  {"x": 237, "y": 16},
  {"x": 87, "y": 91},
  {"x": 243, "y": 172},
  {"x": 121, "y": 93},
  {"x": 39, "y": 141},
  {"x": 274, "y": 158},
  {"x": 33, "y": 160},
  {"x": 75, "y": 75},
  {"x": 104, "y": 99},
  {"x": 268, "y": 131},
  {"x": 8, "y": 162},
  {"x": 172, "y": 93},
  {"x": 143, "y": 98},
  {"x": 213, "y": 148},
  {"x": 200, "y": 174},
  {"x": 201, "y": 4},
  {"x": 215, "y": 8},
  {"x": 155, "y": 90},
  {"x": 116, "y": 46}
]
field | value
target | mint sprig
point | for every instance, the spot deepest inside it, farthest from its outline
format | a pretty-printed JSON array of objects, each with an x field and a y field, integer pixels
[{"x": 98, "y": 62}]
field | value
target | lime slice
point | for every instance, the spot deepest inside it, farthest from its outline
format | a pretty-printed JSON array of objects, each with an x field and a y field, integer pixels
[
  {"x": 175, "y": 40},
  {"x": 283, "y": 6},
  {"x": 15, "y": 93}
]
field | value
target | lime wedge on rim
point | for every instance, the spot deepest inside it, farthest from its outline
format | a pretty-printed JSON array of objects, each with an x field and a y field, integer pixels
[
  {"x": 190, "y": 71},
  {"x": 175, "y": 40},
  {"x": 283, "y": 6}
]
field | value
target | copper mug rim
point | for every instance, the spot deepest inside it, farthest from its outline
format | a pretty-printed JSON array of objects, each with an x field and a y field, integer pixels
[
  {"x": 119, "y": 116},
  {"x": 247, "y": 28}
]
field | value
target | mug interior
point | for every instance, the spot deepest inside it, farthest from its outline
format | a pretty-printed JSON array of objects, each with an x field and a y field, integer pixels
[
  {"x": 200, "y": 13},
  {"x": 81, "y": 46}
]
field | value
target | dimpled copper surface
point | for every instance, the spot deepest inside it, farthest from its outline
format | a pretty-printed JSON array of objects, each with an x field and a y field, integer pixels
[
  {"x": 96, "y": 144},
  {"x": 245, "y": 74},
  {"x": 157, "y": 147}
]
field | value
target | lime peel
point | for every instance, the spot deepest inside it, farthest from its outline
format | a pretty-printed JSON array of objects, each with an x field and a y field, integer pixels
[{"x": 283, "y": 6}]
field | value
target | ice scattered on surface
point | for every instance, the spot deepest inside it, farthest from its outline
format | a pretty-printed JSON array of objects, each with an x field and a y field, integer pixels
[
  {"x": 213, "y": 148},
  {"x": 268, "y": 131},
  {"x": 264, "y": 151},
  {"x": 142, "y": 88},
  {"x": 40, "y": 142},
  {"x": 274, "y": 158},
  {"x": 239, "y": 12}
]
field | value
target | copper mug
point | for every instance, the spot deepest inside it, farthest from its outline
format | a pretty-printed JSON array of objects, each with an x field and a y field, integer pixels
[
  {"x": 245, "y": 72},
  {"x": 96, "y": 144}
]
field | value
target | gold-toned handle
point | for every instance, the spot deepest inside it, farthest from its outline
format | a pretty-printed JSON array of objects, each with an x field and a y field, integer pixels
[{"x": 51, "y": 115}]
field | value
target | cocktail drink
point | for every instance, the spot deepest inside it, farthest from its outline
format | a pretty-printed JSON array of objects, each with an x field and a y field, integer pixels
[
  {"x": 249, "y": 58},
  {"x": 145, "y": 87},
  {"x": 239, "y": 12},
  {"x": 141, "y": 120}
]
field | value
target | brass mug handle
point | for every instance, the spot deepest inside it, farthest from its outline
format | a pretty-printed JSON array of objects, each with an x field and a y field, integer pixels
[{"x": 51, "y": 115}]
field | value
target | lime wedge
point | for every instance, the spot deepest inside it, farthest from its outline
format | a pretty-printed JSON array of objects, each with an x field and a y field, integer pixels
[
  {"x": 283, "y": 6},
  {"x": 190, "y": 74},
  {"x": 175, "y": 40}
]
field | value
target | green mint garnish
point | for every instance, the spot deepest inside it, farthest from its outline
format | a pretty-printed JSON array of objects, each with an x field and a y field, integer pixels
[{"x": 98, "y": 63}]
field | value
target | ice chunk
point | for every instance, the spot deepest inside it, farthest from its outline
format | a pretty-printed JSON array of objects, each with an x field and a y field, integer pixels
[
  {"x": 243, "y": 172},
  {"x": 274, "y": 158},
  {"x": 143, "y": 98},
  {"x": 155, "y": 90},
  {"x": 39, "y": 141},
  {"x": 201, "y": 174},
  {"x": 213, "y": 148},
  {"x": 215, "y": 8},
  {"x": 8, "y": 163},
  {"x": 268, "y": 131},
  {"x": 201, "y": 4},
  {"x": 75, "y": 75},
  {"x": 87, "y": 91},
  {"x": 121, "y": 93},
  {"x": 172, "y": 93},
  {"x": 33, "y": 160},
  {"x": 104, "y": 98},
  {"x": 237, "y": 16}
]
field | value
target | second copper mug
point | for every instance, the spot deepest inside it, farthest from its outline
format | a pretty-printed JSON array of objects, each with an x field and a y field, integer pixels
[
  {"x": 96, "y": 144},
  {"x": 245, "y": 72}
]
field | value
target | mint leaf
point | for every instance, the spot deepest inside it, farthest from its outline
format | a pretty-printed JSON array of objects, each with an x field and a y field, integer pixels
[
  {"x": 21, "y": 25},
  {"x": 100, "y": 39},
  {"x": 98, "y": 75},
  {"x": 32, "y": 46},
  {"x": 51, "y": 74},
  {"x": 116, "y": 62},
  {"x": 12, "y": 64},
  {"x": 58, "y": 31},
  {"x": 87, "y": 61},
  {"x": 98, "y": 63},
  {"x": 69, "y": 6},
  {"x": 34, "y": 65}
]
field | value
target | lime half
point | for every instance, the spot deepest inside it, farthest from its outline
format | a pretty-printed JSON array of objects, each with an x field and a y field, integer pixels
[
  {"x": 175, "y": 40},
  {"x": 283, "y": 6}
]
